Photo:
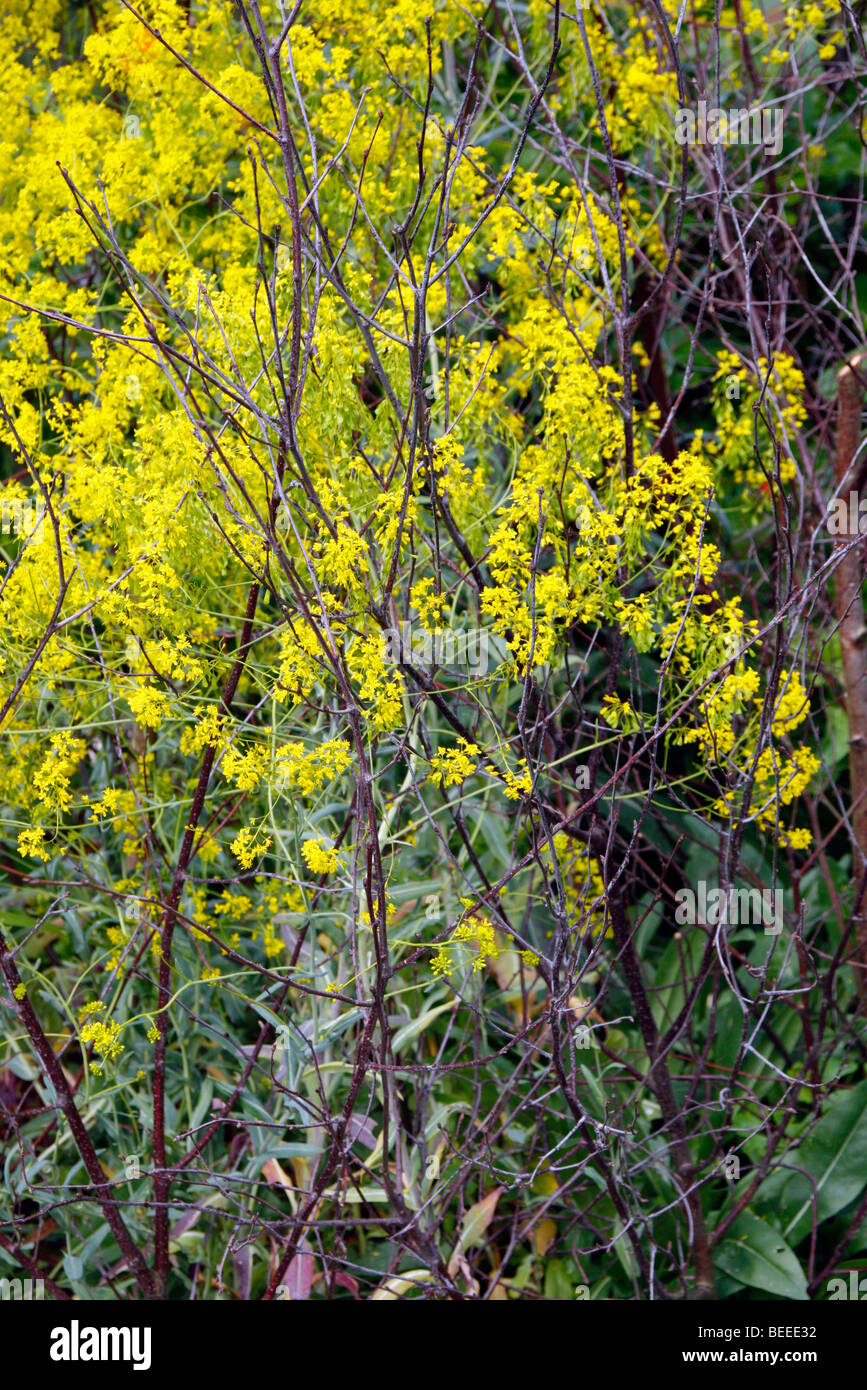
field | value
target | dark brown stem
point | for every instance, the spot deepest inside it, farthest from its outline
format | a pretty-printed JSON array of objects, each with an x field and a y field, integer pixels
[
  {"x": 659, "y": 1079},
  {"x": 55, "y": 1074}
]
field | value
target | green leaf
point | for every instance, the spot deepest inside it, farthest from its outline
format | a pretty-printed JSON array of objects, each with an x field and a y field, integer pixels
[
  {"x": 327, "y": 1032},
  {"x": 399, "y": 1284},
  {"x": 477, "y": 1219},
  {"x": 203, "y": 1103},
  {"x": 676, "y": 974},
  {"x": 495, "y": 840},
  {"x": 755, "y": 1254},
  {"x": 623, "y": 1251},
  {"x": 411, "y": 1030},
  {"x": 299, "y": 1150},
  {"x": 832, "y": 1157},
  {"x": 558, "y": 1285}
]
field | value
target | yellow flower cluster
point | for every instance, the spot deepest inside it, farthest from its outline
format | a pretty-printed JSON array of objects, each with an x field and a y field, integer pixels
[
  {"x": 454, "y": 765},
  {"x": 31, "y": 842},
  {"x": 379, "y": 685},
  {"x": 51, "y": 780},
  {"x": 474, "y": 935},
  {"x": 583, "y": 886},
  {"x": 250, "y": 845},
  {"x": 319, "y": 858},
  {"x": 792, "y": 705},
  {"x": 308, "y": 770},
  {"x": 148, "y": 704},
  {"x": 103, "y": 1034},
  {"x": 737, "y": 390}
]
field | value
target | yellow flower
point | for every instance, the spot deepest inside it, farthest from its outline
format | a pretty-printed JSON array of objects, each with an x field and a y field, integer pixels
[
  {"x": 30, "y": 842},
  {"x": 619, "y": 714},
  {"x": 307, "y": 771},
  {"x": 318, "y": 858},
  {"x": 207, "y": 733},
  {"x": 148, "y": 705},
  {"x": 427, "y": 604},
  {"x": 51, "y": 780},
  {"x": 105, "y": 1036},
  {"x": 247, "y": 846},
  {"x": 474, "y": 932},
  {"x": 452, "y": 767},
  {"x": 518, "y": 783},
  {"x": 792, "y": 704}
]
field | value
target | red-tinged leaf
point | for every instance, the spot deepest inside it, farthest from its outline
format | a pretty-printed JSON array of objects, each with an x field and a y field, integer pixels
[
  {"x": 242, "y": 1263},
  {"x": 298, "y": 1279},
  {"x": 476, "y": 1221}
]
